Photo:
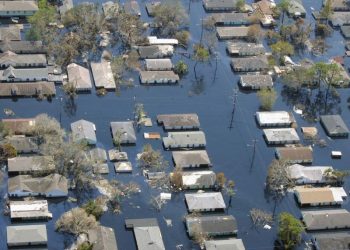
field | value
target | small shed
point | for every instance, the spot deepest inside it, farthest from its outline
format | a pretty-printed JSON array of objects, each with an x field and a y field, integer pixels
[
  {"x": 255, "y": 82},
  {"x": 164, "y": 64},
  {"x": 281, "y": 136},
  {"x": 84, "y": 131},
  {"x": 179, "y": 121},
  {"x": 205, "y": 202},
  {"x": 158, "y": 77},
  {"x": 345, "y": 30},
  {"x": 334, "y": 126},
  {"x": 26, "y": 235},
  {"x": 217, "y": 225},
  {"x": 296, "y": 8},
  {"x": 101, "y": 168},
  {"x": 132, "y": 7},
  {"x": 115, "y": 155},
  {"x": 125, "y": 130},
  {"x": 191, "y": 139},
  {"x": 275, "y": 119},
  {"x": 98, "y": 155},
  {"x": 123, "y": 167}
]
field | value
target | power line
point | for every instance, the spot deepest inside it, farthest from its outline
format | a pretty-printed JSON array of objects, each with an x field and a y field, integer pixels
[{"x": 234, "y": 97}]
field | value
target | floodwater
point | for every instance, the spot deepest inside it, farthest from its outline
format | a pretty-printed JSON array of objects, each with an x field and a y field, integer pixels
[{"x": 229, "y": 149}]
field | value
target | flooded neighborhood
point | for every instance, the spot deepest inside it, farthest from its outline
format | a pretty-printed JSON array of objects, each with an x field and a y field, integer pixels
[{"x": 174, "y": 124}]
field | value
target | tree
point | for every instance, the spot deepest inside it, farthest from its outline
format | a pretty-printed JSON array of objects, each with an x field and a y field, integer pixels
[
  {"x": 289, "y": 230},
  {"x": 254, "y": 33},
  {"x": 70, "y": 89},
  {"x": 282, "y": 49},
  {"x": 176, "y": 179},
  {"x": 336, "y": 176},
  {"x": 183, "y": 36},
  {"x": 46, "y": 126},
  {"x": 300, "y": 33},
  {"x": 170, "y": 17},
  {"x": 199, "y": 236},
  {"x": 267, "y": 97},
  {"x": 94, "y": 207},
  {"x": 298, "y": 77},
  {"x": 139, "y": 112},
  {"x": 221, "y": 179},
  {"x": 85, "y": 246},
  {"x": 181, "y": 68},
  {"x": 200, "y": 55},
  {"x": 117, "y": 139},
  {"x": 152, "y": 159},
  {"x": 230, "y": 191},
  {"x": 7, "y": 151},
  {"x": 327, "y": 10},
  {"x": 283, "y": 6},
  {"x": 240, "y": 5},
  {"x": 133, "y": 60},
  {"x": 76, "y": 221}
]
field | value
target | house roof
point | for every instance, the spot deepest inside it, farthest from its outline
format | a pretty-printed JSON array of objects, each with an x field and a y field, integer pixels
[
  {"x": 232, "y": 17},
  {"x": 250, "y": 63},
  {"x": 147, "y": 233},
  {"x": 98, "y": 155},
  {"x": 18, "y": 6},
  {"x": 150, "y": 7},
  {"x": 212, "y": 225},
  {"x": 278, "y": 135},
  {"x": 308, "y": 174},
  {"x": 345, "y": 30},
  {"x": 153, "y": 40},
  {"x": 331, "y": 241},
  {"x": 232, "y": 32},
  {"x": 11, "y": 58},
  {"x": 11, "y": 33},
  {"x": 23, "y": 73},
  {"x": 23, "y": 144},
  {"x": 295, "y": 7},
  {"x": 155, "y": 51},
  {"x": 19, "y": 126},
  {"x": 38, "y": 184},
  {"x": 199, "y": 178},
  {"x": 256, "y": 81},
  {"x": 30, "y": 164},
  {"x": 209, "y": 4},
  {"x": 182, "y": 139},
  {"x": 103, "y": 75},
  {"x": 295, "y": 154},
  {"x": 157, "y": 76},
  {"x": 127, "y": 131},
  {"x": 229, "y": 244},
  {"x": 326, "y": 219},
  {"x": 338, "y": 4},
  {"x": 102, "y": 238},
  {"x": 27, "y": 89},
  {"x": 185, "y": 159},
  {"x": 22, "y": 47},
  {"x": 29, "y": 209},
  {"x": 205, "y": 201},
  {"x": 83, "y": 130},
  {"x": 79, "y": 76},
  {"x": 340, "y": 18},
  {"x": 159, "y": 64},
  {"x": 132, "y": 7},
  {"x": 23, "y": 234},
  {"x": 264, "y": 7},
  {"x": 274, "y": 118},
  {"x": 178, "y": 121},
  {"x": 334, "y": 125},
  {"x": 319, "y": 195},
  {"x": 245, "y": 48}
]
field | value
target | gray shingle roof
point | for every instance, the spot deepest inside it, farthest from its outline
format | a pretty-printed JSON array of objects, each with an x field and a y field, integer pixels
[
  {"x": 245, "y": 49},
  {"x": 18, "y": 6},
  {"x": 326, "y": 219},
  {"x": 331, "y": 241},
  {"x": 229, "y": 244},
  {"x": 158, "y": 77},
  {"x": 23, "y": 47},
  {"x": 127, "y": 131},
  {"x": 191, "y": 139},
  {"x": 334, "y": 125},
  {"x": 11, "y": 33},
  {"x": 10, "y": 58},
  {"x": 102, "y": 238},
  {"x": 84, "y": 130},
  {"x": 179, "y": 121},
  {"x": 250, "y": 64},
  {"x": 79, "y": 76},
  {"x": 24, "y": 234},
  {"x": 193, "y": 158},
  {"x": 205, "y": 201},
  {"x": 27, "y": 89},
  {"x": 103, "y": 75},
  {"x": 159, "y": 64},
  {"x": 212, "y": 225},
  {"x": 30, "y": 164},
  {"x": 22, "y": 74}
]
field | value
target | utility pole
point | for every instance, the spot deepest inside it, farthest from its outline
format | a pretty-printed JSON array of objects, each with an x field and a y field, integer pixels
[
  {"x": 234, "y": 98},
  {"x": 254, "y": 150}
]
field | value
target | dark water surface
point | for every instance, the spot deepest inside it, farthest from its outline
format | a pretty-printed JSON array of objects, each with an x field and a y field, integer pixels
[{"x": 227, "y": 148}]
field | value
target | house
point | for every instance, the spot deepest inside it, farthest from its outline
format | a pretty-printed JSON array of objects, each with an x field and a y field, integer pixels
[
  {"x": 340, "y": 18},
  {"x": 115, "y": 155},
  {"x": 308, "y": 175},
  {"x": 26, "y": 235},
  {"x": 30, "y": 165},
  {"x": 159, "y": 64},
  {"x": 19, "y": 126},
  {"x": 10, "y": 58},
  {"x": 233, "y": 244},
  {"x": 220, "y": 5},
  {"x": 192, "y": 139},
  {"x": 126, "y": 131},
  {"x": 18, "y": 8},
  {"x": 155, "y": 51},
  {"x": 110, "y": 9},
  {"x": 151, "y": 6},
  {"x": 326, "y": 219},
  {"x": 103, "y": 75},
  {"x": 225, "y": 33},
  {"x": 345, "y": 30},
  {"x": 23, "y": 144},
  {"x": 179, "y": 121},
  {"x": 11, "y": 74},
  {"x": 30, "y": 89},
  {"x": 153, "y": 40},
  {"x": 198, "y": 179},
  {"x": 10, "y": 33},
  {"x": 250, "y": 64},
  {"x": 281, "y": 136},
  {"x": 323, "y": 196},
  {"x": 123, "y": 167},
  {"x": 296, "y": 8},
  {"x": 264, "y": 7},
  {"x": 147, "y": 233},
  {"x": 338, "y": 5},
  {"x": 331, "y": 240},
  {"x": 79, "y": 76},
  {"x": 84, "y": 131},
  {"x": 98, "y": 155},
  {"x": 205, "y": 202},
  {"x": 23, "y": 47},
  {"x": 231, "y": 19},
  {"x": 309, "y": 132},
  {"x": 53, "y": 185},
  {"x": 191, "y": 159},
  {"x": 102, "y": 238},
  {"x": 275, "y": 119},
  {"x": 255, "y": 82},
  {"x": 334, "y": 126},
  {"x": 245, "y": 49},
  {"x": 158, "y": 77},
  {"x": 100, "y": 168},
  {"x": 216, "y": 225},
  {"x": 301, "y": 155},
  {"x": 30, "y": 210},
  {"x": 132, "y": 7}
]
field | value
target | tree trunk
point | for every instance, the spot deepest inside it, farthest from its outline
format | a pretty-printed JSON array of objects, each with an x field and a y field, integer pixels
[
  {"x": 216, "y": 68},
  {"x": 195, "y": 70},
  {"x": 282, "y": 18}
]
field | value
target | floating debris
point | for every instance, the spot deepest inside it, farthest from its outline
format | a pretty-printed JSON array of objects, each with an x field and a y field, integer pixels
[{"x": 9, "y": 112}]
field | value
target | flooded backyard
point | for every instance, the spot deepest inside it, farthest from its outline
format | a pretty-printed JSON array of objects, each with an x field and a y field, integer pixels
[{"x": 230, "y": 136}]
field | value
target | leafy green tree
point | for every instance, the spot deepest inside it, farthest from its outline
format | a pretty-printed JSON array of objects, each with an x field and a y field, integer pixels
[
  {"x": 289, "y": 230},
  {"x": 139, "y": 112},
  {"x": 298, "y": 77},
  {"x": 200, "y": 55},
  {"x": 282, "y": 49},
  {"x": 327, "y": 10},
  {"x": 85, "y": 246},
  {"x": 181, "y": 68},
  {"x": 183, "y": 36},
  {"x": 254, "y": 33},
  {"x": 240, "y": 4},
  {"x": 267, "y": 97},
  {"x": 94, "y": 207},
  {"x": 152, "y": 159},
  {"x": 283, "y": 6},
  {"x": 336, "y": 176},
  {"x": 7, "y": 151}
]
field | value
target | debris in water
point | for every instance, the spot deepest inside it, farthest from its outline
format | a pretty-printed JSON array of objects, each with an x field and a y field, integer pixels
[{"x": 9, "y": 112}]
